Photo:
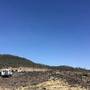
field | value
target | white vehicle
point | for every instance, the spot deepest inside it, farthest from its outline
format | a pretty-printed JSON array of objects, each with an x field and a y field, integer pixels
[{"x": 6, "y": 72}]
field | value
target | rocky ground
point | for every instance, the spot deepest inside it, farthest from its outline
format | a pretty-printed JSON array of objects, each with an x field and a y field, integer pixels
[{"x": 48, "y": 80}]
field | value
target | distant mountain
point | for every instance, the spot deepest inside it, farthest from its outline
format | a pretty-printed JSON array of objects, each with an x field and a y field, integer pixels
[{"x": 16, "y": 61}]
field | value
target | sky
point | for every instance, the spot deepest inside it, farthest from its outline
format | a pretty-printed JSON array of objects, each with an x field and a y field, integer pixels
[{"x": 52, "y": 32}]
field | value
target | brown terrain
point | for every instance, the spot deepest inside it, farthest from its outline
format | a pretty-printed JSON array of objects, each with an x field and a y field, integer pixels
[{"x": 45, "y": 78}]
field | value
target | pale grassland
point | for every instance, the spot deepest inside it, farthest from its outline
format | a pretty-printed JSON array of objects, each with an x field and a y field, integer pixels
[{"x": 52, "y": 85}]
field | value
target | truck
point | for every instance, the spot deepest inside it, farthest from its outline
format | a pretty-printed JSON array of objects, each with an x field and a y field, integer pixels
[{"x": 6, "y": 73}]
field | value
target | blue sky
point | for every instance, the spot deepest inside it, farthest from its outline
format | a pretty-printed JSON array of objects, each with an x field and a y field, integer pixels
[{"x": 53, "y": 32}]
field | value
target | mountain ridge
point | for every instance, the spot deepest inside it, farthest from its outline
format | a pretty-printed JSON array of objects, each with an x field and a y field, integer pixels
[{"x": 8, "y": 60}]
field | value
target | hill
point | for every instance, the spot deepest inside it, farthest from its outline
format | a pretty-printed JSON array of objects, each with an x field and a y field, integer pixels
[
  {"x": 7, "y": 60},
  {"x": 55, "y": 78},
  {"x": 16, "y": 61}
]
